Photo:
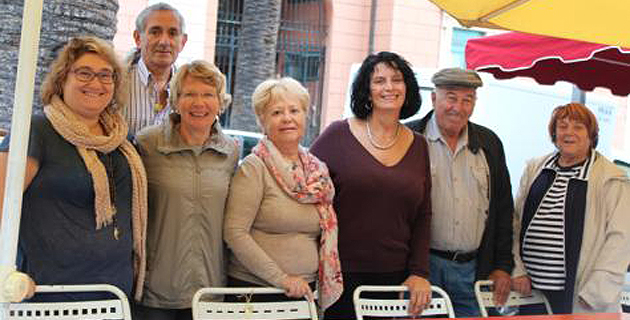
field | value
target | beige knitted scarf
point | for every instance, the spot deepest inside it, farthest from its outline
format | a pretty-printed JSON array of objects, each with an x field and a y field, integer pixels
[{"x": 74, "y": 131}]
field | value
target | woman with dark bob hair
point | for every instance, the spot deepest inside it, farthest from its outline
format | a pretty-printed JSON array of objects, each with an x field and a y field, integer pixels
[
  {"x": 381, "y": 174},
  {"x": 361, "y": 99},
  {"x": 571, "y": 220}
]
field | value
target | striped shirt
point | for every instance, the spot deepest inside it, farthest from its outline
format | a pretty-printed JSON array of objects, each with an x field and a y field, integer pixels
[
  {"x": 543, "y": 243},
  {"x": 143, "y": 108}
]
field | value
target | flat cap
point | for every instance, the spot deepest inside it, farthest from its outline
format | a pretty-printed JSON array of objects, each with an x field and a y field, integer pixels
[{"x": 457, "y": 77}]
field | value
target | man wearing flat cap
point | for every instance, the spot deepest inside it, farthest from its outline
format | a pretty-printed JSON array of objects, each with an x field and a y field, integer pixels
[{"x": 471, "y": 227}]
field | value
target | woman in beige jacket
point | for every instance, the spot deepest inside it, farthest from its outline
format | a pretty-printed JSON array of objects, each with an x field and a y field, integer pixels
[
  {"x": 189, "y": 164},
  {"x": 571, "y": 222}
]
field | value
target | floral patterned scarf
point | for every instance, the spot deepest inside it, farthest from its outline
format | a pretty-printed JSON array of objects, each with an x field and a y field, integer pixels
[{"x": 311, "y": 186}]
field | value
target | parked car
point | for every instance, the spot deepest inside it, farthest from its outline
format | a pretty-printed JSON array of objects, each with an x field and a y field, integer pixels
[{"x": 246, "y": 140}]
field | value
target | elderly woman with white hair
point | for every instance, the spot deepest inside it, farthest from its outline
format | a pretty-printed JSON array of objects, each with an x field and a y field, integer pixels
[
  {"x": 279, "y": 222},
  {"x": 189, "y": 163}
]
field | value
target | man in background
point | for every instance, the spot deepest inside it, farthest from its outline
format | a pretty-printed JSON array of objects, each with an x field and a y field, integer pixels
[{"x": 160, "y": 37}]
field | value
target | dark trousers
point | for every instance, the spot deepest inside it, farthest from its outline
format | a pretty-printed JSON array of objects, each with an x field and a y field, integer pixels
[
  {"x": 148, "y": 313},
  {"x": 559, "y": 301},
  {"x": 343, "y": 309}
]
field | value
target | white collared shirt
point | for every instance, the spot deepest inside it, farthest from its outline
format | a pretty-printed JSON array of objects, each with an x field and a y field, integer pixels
[
  {"x": 143, "y": 107},
  {"x": 459, "y": 192}
]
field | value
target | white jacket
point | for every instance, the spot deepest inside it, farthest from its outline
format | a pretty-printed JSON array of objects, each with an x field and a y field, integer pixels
[{"x": 605, "y": 249}]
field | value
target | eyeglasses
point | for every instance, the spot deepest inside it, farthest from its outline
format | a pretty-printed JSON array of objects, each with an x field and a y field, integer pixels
[{"x": 85, "y": 74}]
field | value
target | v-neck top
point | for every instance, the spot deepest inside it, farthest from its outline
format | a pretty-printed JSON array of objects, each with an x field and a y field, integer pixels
[{"x": 384, "y": 212}]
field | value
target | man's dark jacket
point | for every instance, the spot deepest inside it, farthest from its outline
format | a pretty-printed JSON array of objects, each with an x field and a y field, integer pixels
[{"x": 495, "y": 251}]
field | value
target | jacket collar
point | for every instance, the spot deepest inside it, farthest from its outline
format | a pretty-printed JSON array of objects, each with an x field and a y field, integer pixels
[
  {"x": 171, "y": 141},
  {"x": 433, "y": 133},
  {"x": 585, "y": 168},
  {"x": 473, "y": 142}
]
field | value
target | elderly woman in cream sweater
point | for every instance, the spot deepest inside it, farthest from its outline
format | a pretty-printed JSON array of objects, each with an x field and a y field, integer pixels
[{"x": 280, "y": 224}]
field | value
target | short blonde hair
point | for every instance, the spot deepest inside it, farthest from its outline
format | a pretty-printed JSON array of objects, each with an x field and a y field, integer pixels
[
  {"x": 73, "y": 50},
  {"x": 272, "y": 89},
  {"x": 204, "y": 71}
]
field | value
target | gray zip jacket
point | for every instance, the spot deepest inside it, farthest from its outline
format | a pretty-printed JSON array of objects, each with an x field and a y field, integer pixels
[{"x": 188, "y": 187}]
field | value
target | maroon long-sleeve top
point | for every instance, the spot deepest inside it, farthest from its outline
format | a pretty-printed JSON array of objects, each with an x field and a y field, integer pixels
[{"x": 384, "y": 212}]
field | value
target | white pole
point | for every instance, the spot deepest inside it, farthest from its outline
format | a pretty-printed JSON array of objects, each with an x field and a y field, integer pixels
[
  {"x": 20, "y": 128},
  {"x": 578, "y": 95}
]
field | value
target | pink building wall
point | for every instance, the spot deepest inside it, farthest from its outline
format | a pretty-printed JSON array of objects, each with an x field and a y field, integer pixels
[
  {"x": 123, "y": 40},
  {"x": 347, "y": 43},
  {"x": 211, "y": 29},
  {"x": 410, "y": 28}
]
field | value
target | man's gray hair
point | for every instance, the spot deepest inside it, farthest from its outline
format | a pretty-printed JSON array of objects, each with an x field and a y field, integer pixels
[{"x": 141, "y": 20}]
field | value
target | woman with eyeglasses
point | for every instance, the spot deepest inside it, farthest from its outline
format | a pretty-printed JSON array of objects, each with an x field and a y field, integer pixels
[
  {"x": 84, "y": 208},
  {"x": 190, "y": 162}
]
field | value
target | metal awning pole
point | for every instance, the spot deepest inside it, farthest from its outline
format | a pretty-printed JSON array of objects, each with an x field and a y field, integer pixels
[
  {"x": 20, "y": 128},
  {"x": 578, "y": 95},
  {"x": 372, "y": 35}
]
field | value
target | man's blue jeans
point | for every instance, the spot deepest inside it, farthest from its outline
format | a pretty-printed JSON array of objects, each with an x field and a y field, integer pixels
[{"x": 458, "y": 280}]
